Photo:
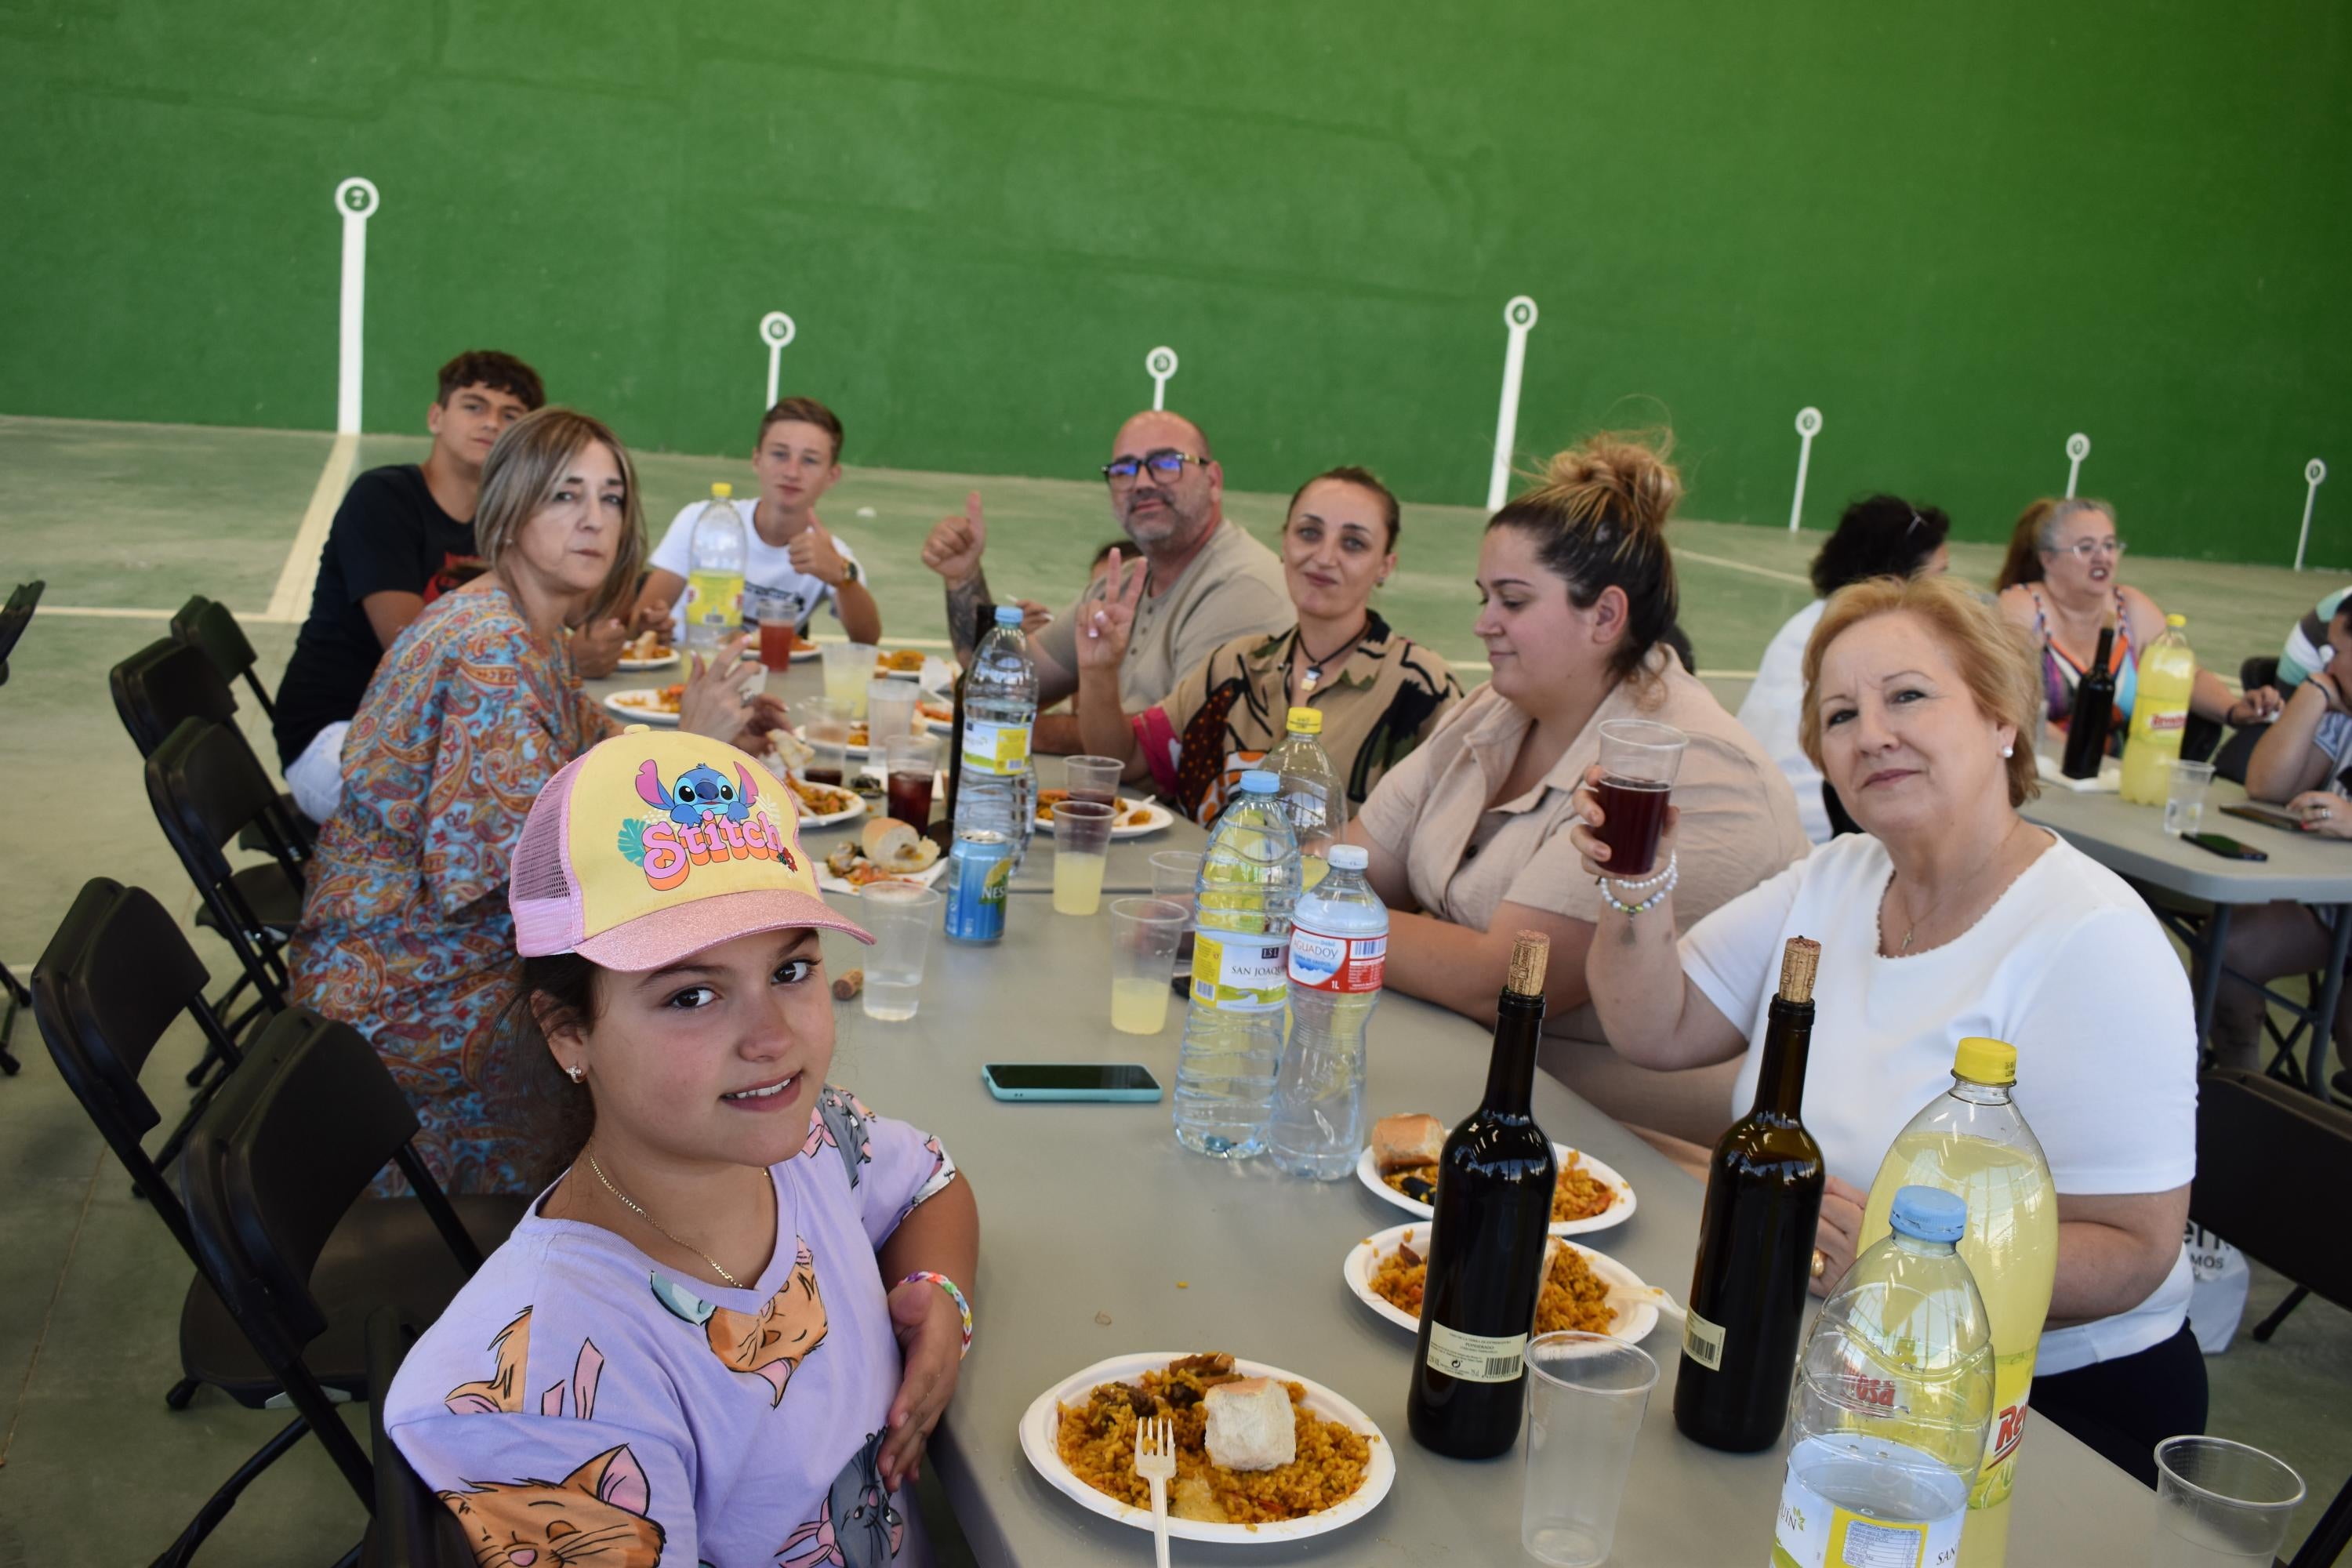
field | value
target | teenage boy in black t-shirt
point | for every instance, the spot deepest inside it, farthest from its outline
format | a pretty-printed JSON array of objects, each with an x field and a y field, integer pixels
[{"x": 403, "y": 537}]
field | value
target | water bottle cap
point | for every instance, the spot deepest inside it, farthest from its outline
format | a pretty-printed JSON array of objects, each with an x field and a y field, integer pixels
[
  {"x": 1349, "y": 856},
  {"x": 2176, "y": 622},
  {"x": 1981, "y": 1060},
  {"x": 1306, "y": 721},
  {"x": 1008, "y": 614},
  {"x": 1930, "y": 1214},
  {"x": 720, "y": 489},
  {"x": 1258, "y": 781}
]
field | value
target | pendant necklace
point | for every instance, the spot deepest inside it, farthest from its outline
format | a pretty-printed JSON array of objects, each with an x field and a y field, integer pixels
[{"x": 1314, "y": 664}]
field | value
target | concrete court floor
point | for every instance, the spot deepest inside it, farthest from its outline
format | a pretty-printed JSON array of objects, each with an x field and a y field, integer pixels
[{"x": 131, "y": 519}]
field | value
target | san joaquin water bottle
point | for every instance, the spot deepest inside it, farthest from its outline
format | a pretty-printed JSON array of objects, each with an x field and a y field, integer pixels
[{"x": 1233, "y": 1030}]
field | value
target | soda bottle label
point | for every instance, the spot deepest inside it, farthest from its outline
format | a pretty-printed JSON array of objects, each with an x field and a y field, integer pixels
[
  {"x": 2165, "y": 722},
  {"x": 715, "y": 599},
  {"x": 994, "y": 747},
  {"x": 1476, "y": 1358},
  {"x": 1814, "y": 1532},
  {"x": 1238, "y": 974},
  {"x": 1342, "y": 965}
]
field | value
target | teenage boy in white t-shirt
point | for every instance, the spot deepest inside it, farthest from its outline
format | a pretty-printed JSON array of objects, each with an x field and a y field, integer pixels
[{"x": 798, "y": 458}]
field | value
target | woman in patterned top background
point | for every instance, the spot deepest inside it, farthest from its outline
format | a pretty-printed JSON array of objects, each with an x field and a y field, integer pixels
[
  {"x": 1380, "y": 693},
  {"x": 405, "y": 933}
]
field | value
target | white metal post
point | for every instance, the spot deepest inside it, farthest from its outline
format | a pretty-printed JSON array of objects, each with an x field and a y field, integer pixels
[
  {"x": 1809, "y": 424},
  {"x": 1519, "y": 316},
  {"x": 1159, "y": 364},
  {"x": 776, "y": 331},
  {"x": 2314, "y": 474},
  {"x": 2078, "y": 447},
  {"x": 356, "y": 199}
]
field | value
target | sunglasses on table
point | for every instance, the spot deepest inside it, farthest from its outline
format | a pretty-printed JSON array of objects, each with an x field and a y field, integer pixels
[{"x": 1166, "y": 465}]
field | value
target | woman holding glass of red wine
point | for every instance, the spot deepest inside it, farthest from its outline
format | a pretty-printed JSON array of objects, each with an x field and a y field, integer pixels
[{"x": 1468, "y": 835}]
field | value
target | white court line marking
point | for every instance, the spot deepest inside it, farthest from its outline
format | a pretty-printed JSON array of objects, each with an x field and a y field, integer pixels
[
  {"x": 1682, "y": 554},
  {"x": 291, "y": 598},
  {"x": 100, "y": 612}
]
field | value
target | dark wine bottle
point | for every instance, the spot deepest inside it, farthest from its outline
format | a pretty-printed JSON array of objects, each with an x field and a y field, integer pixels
[
  {"x": 942, "y": 832},
  {"x": 2094, "y": 707},
  {"x": 1755, "y": 1241},
  {"x": 1492, "y": 1210}
]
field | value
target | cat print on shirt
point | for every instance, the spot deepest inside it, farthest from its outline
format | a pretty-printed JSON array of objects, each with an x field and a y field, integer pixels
[
  {"x": 944, "y": 1171},
  {"x": 840, "y": 1121},
  {"x": 595, "y": 1517},
  {"x": 857, "y": 1525},
  {"x": 502, "y": 1391},
  {"x": 769, "y": 1345}
]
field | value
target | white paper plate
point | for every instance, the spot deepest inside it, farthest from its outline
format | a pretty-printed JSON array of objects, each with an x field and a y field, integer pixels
[
  {"x": 803, "y": 655},
  {"x": 1160, "y": 818},
  {"x": 936, "y": 674},
  {"x": 1040, "y": 1424},
  {"x": 634, "y": 664},
  {"x": 637, "y": 705},
  {"x": 2108, "y": 780},
  {"x": 1634, "y": 1319},
  {"x": 833, "y": 884},
  {"x": 1615, "y": 1213},
  {"x": 855, "y": 809},
  {"x": 860, "y": 753}
]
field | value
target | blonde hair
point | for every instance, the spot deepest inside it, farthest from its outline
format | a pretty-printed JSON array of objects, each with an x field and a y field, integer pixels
[
  {"x": 521, "y": 471},
  {"x": 1598, "y": 519},
  {"x": 1997, "y": 658}
]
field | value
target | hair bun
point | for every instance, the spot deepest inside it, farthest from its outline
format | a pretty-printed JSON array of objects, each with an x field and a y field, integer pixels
[{"x": 1618, "y": 477}]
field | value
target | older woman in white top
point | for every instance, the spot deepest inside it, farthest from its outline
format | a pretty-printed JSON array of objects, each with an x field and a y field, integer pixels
[{"x": 1949, "y": 916}]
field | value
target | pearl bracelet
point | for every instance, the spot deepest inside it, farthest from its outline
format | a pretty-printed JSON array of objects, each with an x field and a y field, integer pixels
[
  {"x": 963, "y": 1308},
  {"x": 1664, "y": 881}
]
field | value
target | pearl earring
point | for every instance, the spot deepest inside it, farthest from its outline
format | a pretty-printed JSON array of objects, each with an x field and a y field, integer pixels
[
  {"x": 2007, "y": 750},
  {"x": 577, "y": 1072}
]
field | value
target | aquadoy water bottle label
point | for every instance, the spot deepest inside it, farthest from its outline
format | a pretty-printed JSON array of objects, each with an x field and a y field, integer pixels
[
  {"x": 1342, "y": 965},
  {"x": 715, "y": 599},
  {"x": 1239, "y": 973},
  {"x": 1476, "y": 1358},
  {"x": 994, "y": 747},
  {"x": 1814, "y": 1532}
]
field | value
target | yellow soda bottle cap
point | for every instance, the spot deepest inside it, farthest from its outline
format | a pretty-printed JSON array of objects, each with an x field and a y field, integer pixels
[
  {"x": 2176, "y": 622},
  {"x": 1982, "y": 1060},
  {"x": 720, "y": 489},
  {"x": 1306, "y": 721}
]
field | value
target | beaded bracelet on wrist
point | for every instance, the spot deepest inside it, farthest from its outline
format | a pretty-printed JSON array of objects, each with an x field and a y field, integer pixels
[
  {"x": 1664, "y": 881},
  {"x": 962, "y": 1307}
]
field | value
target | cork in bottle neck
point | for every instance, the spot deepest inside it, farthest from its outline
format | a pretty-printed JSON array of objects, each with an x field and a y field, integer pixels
[
  {"x": 1530, "y": 953},
  {"x": 1798, "y": 962}
]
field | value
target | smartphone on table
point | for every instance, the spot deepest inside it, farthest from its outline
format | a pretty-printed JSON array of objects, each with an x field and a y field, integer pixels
[
  {"x": 1120, "y": 1081},
  {"x": 2222, "y": 843},
  {"x": 2268, "y": 815}
]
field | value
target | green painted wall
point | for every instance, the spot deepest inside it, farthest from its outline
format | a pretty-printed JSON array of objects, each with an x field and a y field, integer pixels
[{"x": 1963, "y": 231}]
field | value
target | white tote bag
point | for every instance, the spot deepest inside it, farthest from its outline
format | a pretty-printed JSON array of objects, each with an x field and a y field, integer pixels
[{"x": 2218, "y": 1298}]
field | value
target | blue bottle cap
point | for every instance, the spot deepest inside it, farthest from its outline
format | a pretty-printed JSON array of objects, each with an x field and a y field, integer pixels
[
  {"x": 1930, "y": 1214},
  {"x": 1008, "y": 614},
  {"x": 1258, "y": 780}
]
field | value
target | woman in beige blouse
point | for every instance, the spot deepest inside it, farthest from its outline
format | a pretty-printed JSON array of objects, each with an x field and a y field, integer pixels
[{"x": 1469, "y": 835}]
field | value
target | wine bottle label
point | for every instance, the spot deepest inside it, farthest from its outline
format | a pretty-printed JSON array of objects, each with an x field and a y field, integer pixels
[
  {"x": 1476, "y": 1358},
  {"x": 1814, "y": 1532},
  {"x": 1703, "y": 1341}
]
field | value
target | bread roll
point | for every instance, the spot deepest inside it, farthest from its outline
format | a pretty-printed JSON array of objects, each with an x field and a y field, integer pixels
[
  {"x": 1250, "y": 1425},
  {"x": 1401, "y": 1142},
  {"x": 896, "y": 848}
]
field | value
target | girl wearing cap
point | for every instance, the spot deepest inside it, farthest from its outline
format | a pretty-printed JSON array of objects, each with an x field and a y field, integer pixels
[
  {"x": 404, "y": 934},
  {"x": 725, "y": 1330}
]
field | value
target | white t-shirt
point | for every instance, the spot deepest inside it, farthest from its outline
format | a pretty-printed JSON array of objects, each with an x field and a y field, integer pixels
[
  {"x": 2068, "y": 966},
  {"x": 1772, "y": 708},
  {"x": 765, "y": 565}
]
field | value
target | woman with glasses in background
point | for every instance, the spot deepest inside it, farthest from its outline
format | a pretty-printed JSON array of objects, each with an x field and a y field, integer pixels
[{"x": 2062, "y": 582}]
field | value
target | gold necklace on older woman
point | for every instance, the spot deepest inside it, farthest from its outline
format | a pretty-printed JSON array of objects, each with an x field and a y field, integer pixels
[{"x": 1992, "y": 865}]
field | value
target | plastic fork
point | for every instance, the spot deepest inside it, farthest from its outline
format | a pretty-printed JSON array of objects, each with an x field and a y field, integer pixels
[{"x": 1155, "y": 1461}]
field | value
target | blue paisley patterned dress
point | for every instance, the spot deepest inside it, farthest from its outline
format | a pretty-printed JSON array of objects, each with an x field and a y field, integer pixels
[{"x": 405, "y": 933}]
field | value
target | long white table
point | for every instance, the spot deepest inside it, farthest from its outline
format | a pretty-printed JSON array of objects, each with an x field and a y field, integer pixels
[{"x": 1093, "y": 1212}]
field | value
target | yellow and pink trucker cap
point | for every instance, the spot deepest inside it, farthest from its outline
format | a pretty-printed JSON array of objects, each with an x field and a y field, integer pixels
[{"x": 654, "y": 845}]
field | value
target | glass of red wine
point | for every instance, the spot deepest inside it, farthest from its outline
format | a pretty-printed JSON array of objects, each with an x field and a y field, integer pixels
[
  {"x": 910, "y": 763},
  {"x": 1638, "y": 760}
]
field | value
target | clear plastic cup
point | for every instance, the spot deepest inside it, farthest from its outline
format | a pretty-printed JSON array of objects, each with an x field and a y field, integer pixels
[
  {"x": 1081, "y": 849},
  {"x": 825, "y": 728},
  {"x": 1638, "y": 762},
  {"x": 2220, "y": 1503},
  {"x": 1143, "y": 937},
  {"x": 1586, "y": 1396},
  {"x": 900, "y": 915},
  {"x": 890, "y": 711},
  {"x": 1093, "y": 778},
  {"x": 1175, "y": 878},
  {"x": 2184, "y": 797},
  {"x": 848, "y": 670},
  {"x": 910, "y": 765}
]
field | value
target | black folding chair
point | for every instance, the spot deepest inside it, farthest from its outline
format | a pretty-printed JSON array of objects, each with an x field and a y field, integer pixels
[
  {"x": 14, "y": 617},
  {"x": 169, "y": 680},
  {"x": 412, "y": 1528},
  {"x": 2260, "y": 1143},
  {"x": 208, "y": 790},
  {"x": 275, "y": 1178},
  {"x": 207, "y": 625}
]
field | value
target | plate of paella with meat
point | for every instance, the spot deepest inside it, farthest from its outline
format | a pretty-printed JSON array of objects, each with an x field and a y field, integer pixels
[
  {"x": 1261, "y": 1454},
  {"x": 1588, "y": 1291},
  {"x": 1400, "y": 1164}
]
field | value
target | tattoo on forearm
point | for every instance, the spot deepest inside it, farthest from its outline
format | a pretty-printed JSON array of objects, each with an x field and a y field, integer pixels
[{"x": 964, "y": 600}]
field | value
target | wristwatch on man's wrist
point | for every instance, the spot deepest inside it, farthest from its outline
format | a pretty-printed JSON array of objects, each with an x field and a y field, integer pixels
[{"x": 851, "y": 572}]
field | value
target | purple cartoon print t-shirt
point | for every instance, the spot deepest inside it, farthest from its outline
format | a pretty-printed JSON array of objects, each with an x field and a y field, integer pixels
[{"x": 577, "y": 1403}]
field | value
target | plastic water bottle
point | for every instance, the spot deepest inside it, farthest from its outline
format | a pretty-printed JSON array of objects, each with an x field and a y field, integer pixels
[
  {"x": 1338, "y": 953},
  {"x": 1893, "y": 1399},
  {"x": 1000, "y": 710},
  {"x": 2167, "y": 674},
  {"x": 1309, "y": 792},
  {"x": 714, "y": 578},
  {"x": 1233, "y": 1031}
]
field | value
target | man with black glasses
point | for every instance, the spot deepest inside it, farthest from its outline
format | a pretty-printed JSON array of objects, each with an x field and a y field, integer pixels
[{"x": 1205, "y": 581}]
